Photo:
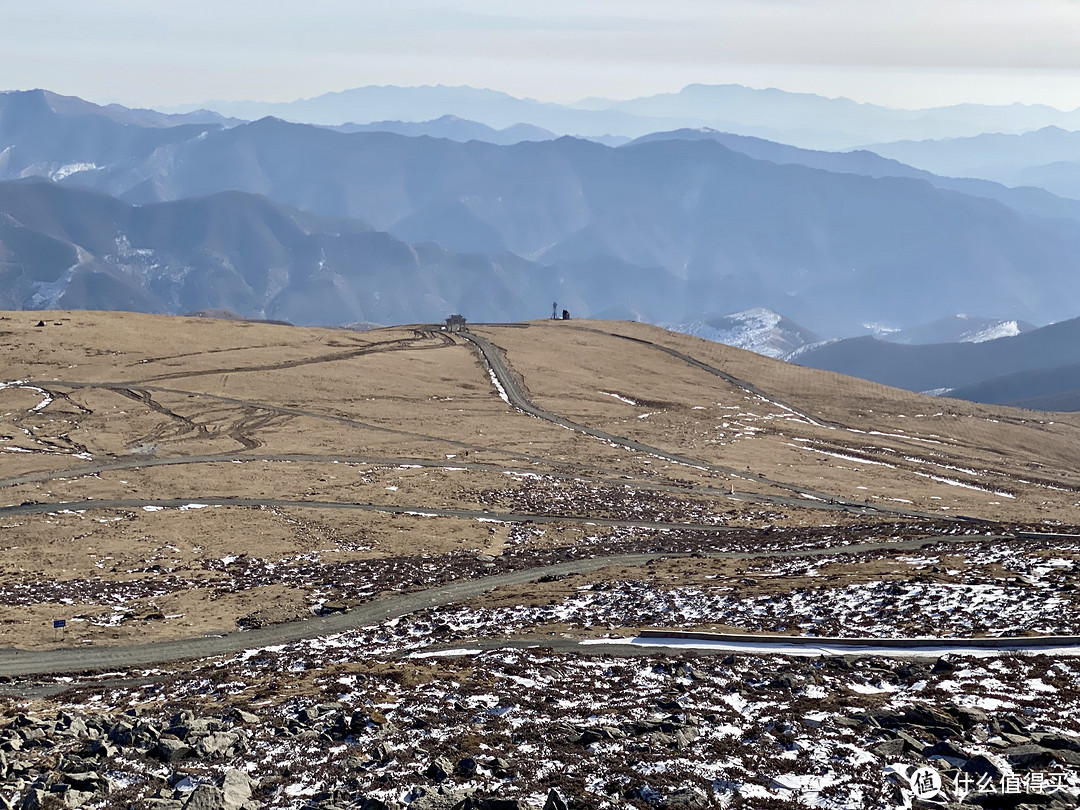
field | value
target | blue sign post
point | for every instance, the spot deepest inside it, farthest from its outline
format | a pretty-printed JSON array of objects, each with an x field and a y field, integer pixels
[{"x": 61, "y": 625}]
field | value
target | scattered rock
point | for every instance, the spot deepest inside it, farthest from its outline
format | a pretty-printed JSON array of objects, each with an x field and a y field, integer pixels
[
  {"x": 930, "y": 717},
  {"x": 270, "y": 615},
  {"x": 205, "y": 797},
  {"x": 101, "y": 748},
  {"x": 981, "y": 765},
  {"x": 1030, "y": 756},
  {"x": 439, "y": 770},
  {"x": 86, "y": 781},
  {"x": 969, "y": 716},
  {"x": 474, "y": 803},
  {"x": 947, "y": 751},
  {"x": 465, "y": 768},
  {"x": 171, "y": 749},
  {"x": 689, "y": 798},
  {"x": 246, "y": 717},
  {"x": 218, "y": 744},
  {"x": 1059, "y": 742},
  {"x": 890, "y": 749},
  {"x": 236, "y": 789}
]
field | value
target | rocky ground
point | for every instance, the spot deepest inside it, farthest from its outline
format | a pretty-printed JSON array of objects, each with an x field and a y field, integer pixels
[
  {"x": 481, "y": 704},
  {"x": 167, "y": 480},
  {"x": 389, "y": 717}
]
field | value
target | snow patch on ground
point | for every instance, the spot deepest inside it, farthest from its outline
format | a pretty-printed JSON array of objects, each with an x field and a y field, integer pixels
[
  {"x": 619, "y": 397},
  {"x": 498, "y": 387}
]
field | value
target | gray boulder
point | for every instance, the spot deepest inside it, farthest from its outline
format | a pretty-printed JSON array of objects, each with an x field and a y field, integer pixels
[
  {"x": 236, "y": 789},
  {"x": 1060, "y": 742},
  {"x": 688, "y": 798},
  {"x": 86, "y": 781},
  {"x": 169, "y": 749},
  {"x": 1030, "y": 756},
  {"x": 219, "y": 744},
  {"x": 947, "y": 751},
  {"x": 439, "y": 770},
  {"x": 981, "y": 765},
  {"x": 79, "y": 798},
  {"x": 205, "y": 797}
]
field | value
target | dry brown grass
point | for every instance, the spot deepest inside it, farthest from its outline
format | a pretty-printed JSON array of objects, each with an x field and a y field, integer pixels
[
  {"x": 129, "y": 388},
  {"x": 1009, "y": 449}
]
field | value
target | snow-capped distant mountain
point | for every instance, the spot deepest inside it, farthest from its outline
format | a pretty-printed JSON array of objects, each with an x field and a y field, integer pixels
[
  {"x": 1039, "y": 368},
  {"x": 957, "y": 329},
  {"x": 1002, "y": 329},
  {"x": 756, "y": 330}
]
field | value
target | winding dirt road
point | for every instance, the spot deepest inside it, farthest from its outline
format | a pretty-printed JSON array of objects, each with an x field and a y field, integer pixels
[{"x": 41, "y": 662}]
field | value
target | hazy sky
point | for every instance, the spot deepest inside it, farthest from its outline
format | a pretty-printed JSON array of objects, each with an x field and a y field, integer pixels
[{"x": 912, "y": 53}]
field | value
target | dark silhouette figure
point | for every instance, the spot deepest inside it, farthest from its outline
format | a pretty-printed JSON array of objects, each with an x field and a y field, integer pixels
[{"x": 566, "y": 314}]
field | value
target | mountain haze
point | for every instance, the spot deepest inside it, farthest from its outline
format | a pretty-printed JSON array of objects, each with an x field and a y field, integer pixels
[
  {"x": 737, "y": 232},
  {"x": 42, "y": 134},
  {"x": 986, "y": 153},
  {"x": 455, "y": 129},
  {"x": 675, "y": 224},
  {"x": 75, "y": 249},
  {"x": 803, "y": 119},
  {"x": 1036, "y": 201}
]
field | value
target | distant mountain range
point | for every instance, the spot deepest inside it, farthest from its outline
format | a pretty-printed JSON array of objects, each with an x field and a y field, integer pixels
[
  {"x": 958, "y": 329},
  {"x": 1048, "y": 158},
  {"x": 832, "y": 249},
  {"x": 46, "y": 135},
  {"x": 1037, "y": 201},
  {"x": 770, "y": 333},
  {"x": 806, "y": 120},
  {"x": 74, "y": 249},
  {"x": 756, "y": 330},
  {"x": 1038, "y": 368},
  {"x": 26, "y": 104},
  {"x": 455, "y": 129},
  {"x": 676, "y": 223}
]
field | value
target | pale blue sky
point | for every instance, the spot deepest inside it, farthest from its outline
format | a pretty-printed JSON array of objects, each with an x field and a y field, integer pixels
[{"x": 911, "y": 54}]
